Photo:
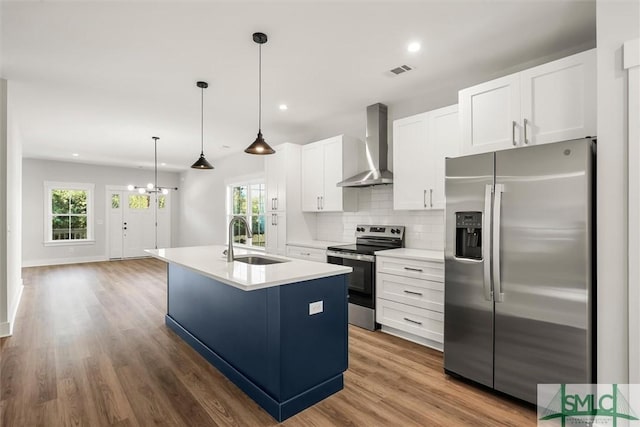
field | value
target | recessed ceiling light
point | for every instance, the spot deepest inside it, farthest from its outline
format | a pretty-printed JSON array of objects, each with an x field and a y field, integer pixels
[
  {"x": 163, "y": 164},
  {"x": 413, "y": 47},
  {"x": 75, "y": 154},
  {"x": 283, "y": 107}
]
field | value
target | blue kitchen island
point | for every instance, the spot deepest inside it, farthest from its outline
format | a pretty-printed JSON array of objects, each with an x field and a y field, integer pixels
[{"x": 279, "y": 331}]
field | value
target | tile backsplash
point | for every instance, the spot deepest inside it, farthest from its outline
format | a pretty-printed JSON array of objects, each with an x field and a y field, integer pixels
[{"x": 424, "y": 229}]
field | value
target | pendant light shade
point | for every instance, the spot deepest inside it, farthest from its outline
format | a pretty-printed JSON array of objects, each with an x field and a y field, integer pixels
[
  {"x": 259, "y": 146},
  {"x": 202, "y": 163}
]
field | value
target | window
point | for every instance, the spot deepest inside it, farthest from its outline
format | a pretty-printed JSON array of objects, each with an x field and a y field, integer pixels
[
  {"x": 247, "y": 200},
  {"x": 68, "y": 213},
  {"x": 137, "y": 201}
]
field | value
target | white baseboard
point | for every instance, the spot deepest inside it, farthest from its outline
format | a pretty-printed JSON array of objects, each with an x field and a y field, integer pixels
[
  {"x": 6, "y": 328},
  {"x": 62, "y": 261}
]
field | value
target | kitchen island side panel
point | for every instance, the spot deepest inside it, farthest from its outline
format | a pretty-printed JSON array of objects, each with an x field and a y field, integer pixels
[
  {"x": 266, "y": 336},
  {"x": 314, "y": 347},
  {"x": 230, "y": 321}
]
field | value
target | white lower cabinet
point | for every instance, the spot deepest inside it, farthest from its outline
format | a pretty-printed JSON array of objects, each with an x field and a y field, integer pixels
[
  {"x": 417, "y": 321},
  {"x": 309, "y": 254},
  {"x": 410, "y": 299}
]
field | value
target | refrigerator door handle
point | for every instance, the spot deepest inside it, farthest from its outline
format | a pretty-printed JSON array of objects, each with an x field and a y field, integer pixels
[
  {"x": 497, "y": 204},
  {"x": 486, "y": 247}
]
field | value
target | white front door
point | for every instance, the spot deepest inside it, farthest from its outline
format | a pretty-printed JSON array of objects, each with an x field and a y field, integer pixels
[{"x": 132, "y": 221}]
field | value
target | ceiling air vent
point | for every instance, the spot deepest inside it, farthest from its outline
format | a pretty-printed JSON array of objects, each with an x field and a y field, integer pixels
[{"x": 401, "y": 69}]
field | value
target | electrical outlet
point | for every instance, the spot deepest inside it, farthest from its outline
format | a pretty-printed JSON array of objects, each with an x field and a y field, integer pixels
[{"x": 316, "y": 307}]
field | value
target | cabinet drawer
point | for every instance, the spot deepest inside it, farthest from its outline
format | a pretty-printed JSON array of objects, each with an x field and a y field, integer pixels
[
  {"x": 416, "y": 292},
  {"x": 418, "y": 321},
  {"x": 309, "y": 254},
  {"x": 428, "y": 270}
]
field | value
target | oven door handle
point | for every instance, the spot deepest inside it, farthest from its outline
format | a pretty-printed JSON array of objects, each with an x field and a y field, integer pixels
[{"x": 356, "y": 257}]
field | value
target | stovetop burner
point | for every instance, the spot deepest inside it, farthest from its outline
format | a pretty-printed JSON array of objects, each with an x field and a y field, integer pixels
[{"x": 372, "y": 238}]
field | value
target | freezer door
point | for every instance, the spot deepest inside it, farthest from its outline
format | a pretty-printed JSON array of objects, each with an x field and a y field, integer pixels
[
  {"x": 543, "y": 325},
  {"x": 468, "y": 314}
]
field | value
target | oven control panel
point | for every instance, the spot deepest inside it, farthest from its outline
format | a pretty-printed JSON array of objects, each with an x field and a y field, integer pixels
[{"x": 394, "y": 231}]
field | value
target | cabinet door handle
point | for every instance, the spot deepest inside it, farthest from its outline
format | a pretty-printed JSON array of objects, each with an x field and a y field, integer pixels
[
  {"x": 318, "y": 202},
  {"x": 524, "y": 125},
  {"x": 412, "y": 321},
  {"x": 431, "y": 197},
  {"x": 419, "y": 270},
  {"x": 513, "y": 132},
  {"x": 322, "y": 202},
  {"x": 275, "y": 219},
  {"x": 413, "y": 293},
  {"x": 424, "y": 198}
]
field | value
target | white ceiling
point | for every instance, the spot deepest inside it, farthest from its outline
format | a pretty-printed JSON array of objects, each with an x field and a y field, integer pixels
[{"x": 100, "y": 78}]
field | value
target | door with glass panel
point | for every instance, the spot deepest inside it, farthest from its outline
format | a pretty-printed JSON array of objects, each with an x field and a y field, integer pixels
[{"x": 132, "y": 221}]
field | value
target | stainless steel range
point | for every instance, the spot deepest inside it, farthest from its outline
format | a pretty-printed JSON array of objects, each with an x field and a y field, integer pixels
[{"x": 361, "y": 257}]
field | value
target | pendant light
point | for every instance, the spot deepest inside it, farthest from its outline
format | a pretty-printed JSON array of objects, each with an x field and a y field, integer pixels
[
  {"x": 259, "y": 146},
  {"x": 202, "y": 163}
]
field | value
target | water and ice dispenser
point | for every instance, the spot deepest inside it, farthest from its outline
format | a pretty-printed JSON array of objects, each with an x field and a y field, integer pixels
[{"x": 469, "y": 235}]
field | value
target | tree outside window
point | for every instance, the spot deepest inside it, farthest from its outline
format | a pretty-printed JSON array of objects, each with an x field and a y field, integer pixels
[{"x": 68, "y": 213}]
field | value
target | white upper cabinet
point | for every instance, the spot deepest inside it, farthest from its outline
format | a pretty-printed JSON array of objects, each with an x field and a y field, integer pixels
[
  {"x": 275, "y": 167},
  {"x": 411, "y": 177},
  {"x": 312, "y": 176},
  {"x": 324, "y": 164},
  {"x": 420, "y": 145},
  {"x": 549, "y": 103},
  {"x": 559, "y": 99},
  {"x": 489, "y": 115},
  {"x": 444, "y": 137}
]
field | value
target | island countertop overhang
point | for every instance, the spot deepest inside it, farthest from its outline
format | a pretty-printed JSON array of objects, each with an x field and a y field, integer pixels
[{"x": 210, "y": 261}]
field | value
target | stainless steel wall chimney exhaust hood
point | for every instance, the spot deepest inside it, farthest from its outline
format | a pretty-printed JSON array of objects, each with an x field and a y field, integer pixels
[{"x": 377, "y": 150}]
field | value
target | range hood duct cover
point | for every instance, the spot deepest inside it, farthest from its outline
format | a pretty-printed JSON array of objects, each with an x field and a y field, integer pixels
[{"x": 376, "y": 151}]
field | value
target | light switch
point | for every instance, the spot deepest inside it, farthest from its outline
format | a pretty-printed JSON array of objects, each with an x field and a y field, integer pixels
[{"x": 316, "y": 307}]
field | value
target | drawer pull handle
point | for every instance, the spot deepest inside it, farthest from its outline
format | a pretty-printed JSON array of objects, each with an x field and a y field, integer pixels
[
  {"x": 412, "y": 321},
  {"x": 305, "y": 253},
  {"x": 419, "y": 270},
  {"x": 413, "y": 293}
]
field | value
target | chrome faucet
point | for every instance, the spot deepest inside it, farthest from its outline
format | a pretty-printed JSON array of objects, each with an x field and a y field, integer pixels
[{"x": 247, "y": 228}]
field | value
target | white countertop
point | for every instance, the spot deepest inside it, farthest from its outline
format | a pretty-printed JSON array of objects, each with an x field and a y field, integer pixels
[
  {"x": 316, "y": 244},
  {"x": 209, "y": 261},
  {"x": 416, "y": 254}
]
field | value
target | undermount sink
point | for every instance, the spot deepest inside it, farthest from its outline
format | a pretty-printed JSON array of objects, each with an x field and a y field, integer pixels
[{"x": 257, "y": 260}]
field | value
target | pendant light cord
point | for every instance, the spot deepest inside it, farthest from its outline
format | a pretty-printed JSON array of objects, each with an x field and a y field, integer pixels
[
  {"x": 260, "y": 88},
  {"x": 202, "y": 121},
  {"x": 155, "y": 185}
]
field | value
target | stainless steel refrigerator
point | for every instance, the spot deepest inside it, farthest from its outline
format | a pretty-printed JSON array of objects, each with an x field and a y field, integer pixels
[{"x": 520, "y": 267}]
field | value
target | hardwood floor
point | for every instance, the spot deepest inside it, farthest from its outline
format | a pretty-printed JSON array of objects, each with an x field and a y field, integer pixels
[{"x": 90, "y": 349}]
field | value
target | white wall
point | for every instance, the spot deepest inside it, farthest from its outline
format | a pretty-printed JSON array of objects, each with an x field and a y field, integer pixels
[
  {"x": 14, "y": 213},
  {"x": 617, "y": 22},
  {"x": 4, "y": 324},
  {"x": 202, "y": 198},
  {"x": 424, "y": 229},
  {"x": 10, "y": 212},
  {"x": 36, "y": 172}
]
